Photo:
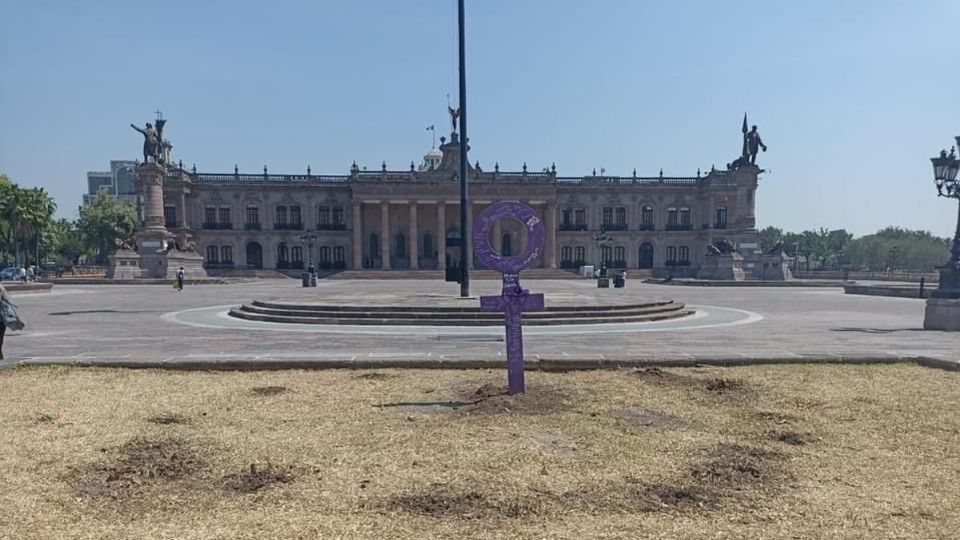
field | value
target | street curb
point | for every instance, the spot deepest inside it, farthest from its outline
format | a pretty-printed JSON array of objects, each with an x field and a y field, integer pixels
[{"x": 533, "y": 364}]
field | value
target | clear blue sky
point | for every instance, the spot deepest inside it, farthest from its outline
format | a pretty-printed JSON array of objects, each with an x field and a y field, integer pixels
[{"x": 852, "y": 98}]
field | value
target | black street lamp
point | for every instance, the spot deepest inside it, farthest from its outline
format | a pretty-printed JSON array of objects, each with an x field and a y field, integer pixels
[
  {"x": 309, "y": 236},
  {"x": 945, "y": 169},
  {"x": 602, "y": 240}
]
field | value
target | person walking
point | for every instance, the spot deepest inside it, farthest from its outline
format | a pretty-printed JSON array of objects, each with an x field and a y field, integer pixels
[
  {"x": 8, "y": 316},
  {"x": 180, "y": 279}
]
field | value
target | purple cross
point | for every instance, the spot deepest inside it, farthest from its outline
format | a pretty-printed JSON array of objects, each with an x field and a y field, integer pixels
[{"x": 513, "y": 299}]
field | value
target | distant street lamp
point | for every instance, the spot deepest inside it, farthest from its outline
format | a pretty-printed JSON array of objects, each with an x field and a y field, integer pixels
[
  {"x": 945, "y": 169},
  {"x": 602, "y": 240},
  {"x": 309, "y": 237}
]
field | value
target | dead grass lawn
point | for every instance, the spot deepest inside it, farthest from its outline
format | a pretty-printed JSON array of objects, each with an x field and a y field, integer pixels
[{"x": 757, "y": 452}]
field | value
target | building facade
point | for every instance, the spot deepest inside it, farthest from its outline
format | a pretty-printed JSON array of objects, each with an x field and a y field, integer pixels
[
  {"x": 120, "y": 181},
  {"x": 409, "y": 219}
]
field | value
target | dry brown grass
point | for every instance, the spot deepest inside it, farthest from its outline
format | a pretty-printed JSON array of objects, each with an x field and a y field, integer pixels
[{"x": 758, "y": 452}]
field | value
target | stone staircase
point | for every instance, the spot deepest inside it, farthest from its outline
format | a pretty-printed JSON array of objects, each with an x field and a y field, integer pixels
[{"x": 454, "y": 316}]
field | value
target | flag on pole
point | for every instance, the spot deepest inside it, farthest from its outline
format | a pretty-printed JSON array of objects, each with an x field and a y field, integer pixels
[{"x": 744, "y": 128}]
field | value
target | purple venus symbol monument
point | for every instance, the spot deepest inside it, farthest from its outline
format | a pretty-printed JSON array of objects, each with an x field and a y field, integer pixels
[{"x": 513, "y": 300}]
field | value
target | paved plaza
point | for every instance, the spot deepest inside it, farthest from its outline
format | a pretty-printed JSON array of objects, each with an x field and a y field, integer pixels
[{"x": 132, "y": 325}]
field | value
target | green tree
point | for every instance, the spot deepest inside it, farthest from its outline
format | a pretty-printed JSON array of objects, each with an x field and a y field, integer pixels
[
  {"x": 769, "y": 236},
  {"x": 64, "y": 242},
  {"x": 103, "y": 222}
]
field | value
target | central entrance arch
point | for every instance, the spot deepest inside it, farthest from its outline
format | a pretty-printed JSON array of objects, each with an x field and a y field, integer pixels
[
  {"x": 646, "y": 255},
  {"x": 254, "y": 256}
]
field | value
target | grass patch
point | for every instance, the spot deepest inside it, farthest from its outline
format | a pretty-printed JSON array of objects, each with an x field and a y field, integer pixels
[{"x": 670, "y": 453}]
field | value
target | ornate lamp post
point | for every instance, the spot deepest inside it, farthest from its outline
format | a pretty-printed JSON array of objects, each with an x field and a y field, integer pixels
[
  {"x": 602, "y": 240},
  {"x": 943, "y": 306},
  {"x": 309, "y": 236}
]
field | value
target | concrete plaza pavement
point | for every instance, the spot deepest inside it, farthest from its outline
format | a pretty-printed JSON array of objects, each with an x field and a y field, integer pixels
[{"x": 155, "y": 325}]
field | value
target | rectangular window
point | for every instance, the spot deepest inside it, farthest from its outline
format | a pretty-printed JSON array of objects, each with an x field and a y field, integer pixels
[
  {"x": 621, "y": 216},
  {"x": 170, "y": 216},
  {"x": 672, "y": 217},
  {"x": 226, "y": 254},
  {"x": 683, "y": 256},
  {"x": 338, "y": 215},
  {"x": 212, "y": 254},
  {"x": 580, "y": 214},
  {"x": 685, "y": 216},
  {"x": 566, "y": 254},
  {"x": 619, "y": 253},
  {"x": 210, "y": 214},
  {"x": 296, "y": 254},
  {"x": 281, "y": 215},
  {"x": 606, "y": 254},
  {"x": 295, "y": 215},
  {"x": 224, "y": 214},
  {"x": 607, "y": 215},
  {"x": 646, "y": 216},
  {"x": 721, "y": 221},
  {"x": 338, "y": 255},
  {"x": 567, "y": 214},
  {"x": 579, "y": 254},
  {"x": 671, "y": 255},
  {"x": 323, "y": 217},
  {"x": 253, "y": 214}
]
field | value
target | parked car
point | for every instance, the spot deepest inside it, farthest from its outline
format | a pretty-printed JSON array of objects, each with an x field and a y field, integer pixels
[{"x": 9, "y": 273}]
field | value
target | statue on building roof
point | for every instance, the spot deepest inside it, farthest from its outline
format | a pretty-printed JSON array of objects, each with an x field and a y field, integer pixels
[
  {"x": 752, "y": 144},
  {"x": 454, "y": 115}
]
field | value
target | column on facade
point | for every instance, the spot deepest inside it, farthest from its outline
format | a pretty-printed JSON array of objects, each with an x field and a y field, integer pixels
[
  {"x": 550, "y": 224},
  {"x": 413, "y": 245},
  {"x": 184, "y": 222},
  {"x": 441, "y": 234},
  {"x": 357, "y": 236},
  {"x": 385, "y": 235},
  {"x": 151, "y": 177}
]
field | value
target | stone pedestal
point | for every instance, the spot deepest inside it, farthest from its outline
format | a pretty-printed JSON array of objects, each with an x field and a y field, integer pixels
[
  {"x": 191, "y": 262},
  {"x": 773, "y": 267},
  {"x": 942, "y": 314},
  {"x": 726, "y": 267},
  {"x": 124, "y": 265}
]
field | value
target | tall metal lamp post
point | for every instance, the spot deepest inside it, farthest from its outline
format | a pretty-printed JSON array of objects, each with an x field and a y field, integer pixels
[
  {"x": 602, "y": 240},
  {"x": 943, "y": 306},
  {"x": 309, "y": 237}
]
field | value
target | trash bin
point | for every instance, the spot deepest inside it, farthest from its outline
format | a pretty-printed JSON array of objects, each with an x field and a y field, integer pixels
[
  {"x": 313, "y": 279},
  {"x": 305, "y": 277},
  {"x": 603, "y": 283}
]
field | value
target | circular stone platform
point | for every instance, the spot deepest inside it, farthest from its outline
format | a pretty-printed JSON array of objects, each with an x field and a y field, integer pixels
[{"x": 389, "y": 309}]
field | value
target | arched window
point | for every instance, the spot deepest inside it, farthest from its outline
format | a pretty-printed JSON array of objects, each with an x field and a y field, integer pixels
[
  {"x": 212, "y": 253},
  {"x": 400, "y": 245},
  {"x": 226, "y": 254},
  {"x": 427, "y": 245},
  {"x": 373, "y": 246},
  {"x": 506, "y": 246},
  {"x": 672, "y": 217},
  {"x": 283, "y": 254},
  {"x": 646, "y": 217}
]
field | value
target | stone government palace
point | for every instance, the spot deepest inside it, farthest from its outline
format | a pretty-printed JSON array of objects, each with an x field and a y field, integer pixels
[{"x": 408, "y": 219}]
